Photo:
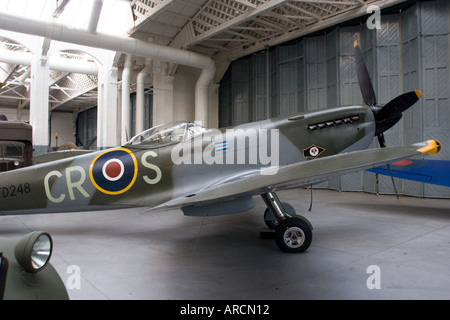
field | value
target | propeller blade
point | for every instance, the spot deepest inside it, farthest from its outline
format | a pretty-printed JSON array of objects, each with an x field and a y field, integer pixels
[
  {"x": 381, "y": 140},
  {"x": 365, "y": 84},
  {"x": 385, "y": 124},
  {"x": 399, "y": 104}
]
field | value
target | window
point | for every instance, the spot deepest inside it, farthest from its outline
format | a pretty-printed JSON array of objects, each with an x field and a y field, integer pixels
[{"x": 12, "y": 151}]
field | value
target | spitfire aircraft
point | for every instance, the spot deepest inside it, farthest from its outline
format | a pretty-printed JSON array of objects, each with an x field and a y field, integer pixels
[{"x": 207, "y": 172}]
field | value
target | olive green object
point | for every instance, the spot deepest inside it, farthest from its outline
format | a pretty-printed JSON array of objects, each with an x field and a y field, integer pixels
[{"x": 25, "y": 270}]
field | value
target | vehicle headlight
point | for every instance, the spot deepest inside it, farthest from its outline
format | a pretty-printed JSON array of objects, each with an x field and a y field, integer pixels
[{"x": 33, "y": 251}]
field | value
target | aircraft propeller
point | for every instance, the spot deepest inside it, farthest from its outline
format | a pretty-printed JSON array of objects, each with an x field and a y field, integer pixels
[
  {"x": 385, "y": 116},
  {"x": 388, "y": 115}
]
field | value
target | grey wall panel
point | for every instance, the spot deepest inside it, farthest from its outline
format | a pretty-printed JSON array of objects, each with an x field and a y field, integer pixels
[
  {"x": 87, "y": 128},
  {"x": 225, "y": 100},
  {"x": 409, "y": 52},
  {"x": 301, "y": 77},
  {"x": 241, "y": 92},
  {"x": 315, "y": 73},
  {"x": 287, "y": 79},
  {"x": 273, "y": 85},
  {"x": 260, "y": 86},
  {"x": 434, "y": 23},
  {"x": 412, "y": 118},
  {"x": 332, "y": 76}
]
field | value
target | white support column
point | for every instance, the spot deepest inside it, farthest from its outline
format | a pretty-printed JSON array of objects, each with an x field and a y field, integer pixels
[
  {"x": 39, "y": 103},
  {"x": 162, "y": 94},
  {"x": 140, "y": 86},
  {"x": 125, "y": 119},
  {"x": 107, "y": 108},
  {"x": 95, "y": 16},
  {"x": 201, "y": 100}
]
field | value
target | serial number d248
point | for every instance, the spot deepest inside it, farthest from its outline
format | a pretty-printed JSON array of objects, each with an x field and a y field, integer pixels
[{"x": 15, "y": 190}]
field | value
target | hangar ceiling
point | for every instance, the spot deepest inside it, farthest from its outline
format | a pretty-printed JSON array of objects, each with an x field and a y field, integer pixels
[{"x": 222, "y": 29}]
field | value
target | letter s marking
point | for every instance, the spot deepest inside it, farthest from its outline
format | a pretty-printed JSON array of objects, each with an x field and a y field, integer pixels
[{"x": 146, "y": 164}]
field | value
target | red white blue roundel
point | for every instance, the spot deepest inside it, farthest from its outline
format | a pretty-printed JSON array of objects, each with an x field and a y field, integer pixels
[{"x": 114, "y": 171}]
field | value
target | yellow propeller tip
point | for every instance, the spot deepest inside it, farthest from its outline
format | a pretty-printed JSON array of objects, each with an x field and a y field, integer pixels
[
  {"x": 355, "y": 44},
  {"x": 419, "y": 94}
]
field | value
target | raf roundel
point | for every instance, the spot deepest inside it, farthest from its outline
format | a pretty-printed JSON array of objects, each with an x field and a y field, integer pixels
[
  {"x": 113, "y": 169},
  {"x": 114, "y": 172}
]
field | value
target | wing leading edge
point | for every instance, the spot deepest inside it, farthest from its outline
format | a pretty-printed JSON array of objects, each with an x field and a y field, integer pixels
[{"x": 299, "y": 174}]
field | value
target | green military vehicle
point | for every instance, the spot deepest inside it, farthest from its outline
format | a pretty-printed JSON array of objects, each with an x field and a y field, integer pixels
[
  {"x": 25, "y": 271},
  {"x": 16, "y": 147}
]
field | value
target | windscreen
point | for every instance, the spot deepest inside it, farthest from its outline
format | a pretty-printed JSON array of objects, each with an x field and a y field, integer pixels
[{"x": 163, "y": 135}]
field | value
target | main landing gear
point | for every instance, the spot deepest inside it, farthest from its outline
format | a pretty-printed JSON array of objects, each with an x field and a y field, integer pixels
[{"x": 293, "y": 233}]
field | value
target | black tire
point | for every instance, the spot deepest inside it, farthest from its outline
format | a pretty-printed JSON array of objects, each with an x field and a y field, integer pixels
[{"x": 293, "y": 235}]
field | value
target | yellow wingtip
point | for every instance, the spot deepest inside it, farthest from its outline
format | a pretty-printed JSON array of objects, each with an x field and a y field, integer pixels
[
  {"x": 432, "y": 147},
  {"x": 419, "y": 94}
]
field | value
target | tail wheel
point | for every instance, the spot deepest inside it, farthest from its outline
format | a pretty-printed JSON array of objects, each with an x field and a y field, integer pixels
[{"x": 293, "y": 235}]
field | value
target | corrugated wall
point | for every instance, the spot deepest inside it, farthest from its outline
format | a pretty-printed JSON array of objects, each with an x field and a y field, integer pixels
[{"x": 409, "y": 52}]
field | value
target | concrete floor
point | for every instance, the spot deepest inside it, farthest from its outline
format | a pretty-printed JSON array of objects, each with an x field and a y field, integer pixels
[{"x": 133, "y": 254}]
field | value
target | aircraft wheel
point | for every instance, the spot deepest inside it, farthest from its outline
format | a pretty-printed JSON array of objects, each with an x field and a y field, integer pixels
[
  {"x": 293, "y": 235},
  {"x": 269, "y": 217}
]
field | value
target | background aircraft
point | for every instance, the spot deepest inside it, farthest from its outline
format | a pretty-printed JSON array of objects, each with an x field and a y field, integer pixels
[
  {"x": 427, "y": 171},
  {"x": 207, "y": 172}
]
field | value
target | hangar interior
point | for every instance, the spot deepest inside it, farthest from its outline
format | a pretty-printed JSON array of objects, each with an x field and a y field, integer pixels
[
  {"x": 269, "y": 58},
  {"x": 99, "y": 74}
]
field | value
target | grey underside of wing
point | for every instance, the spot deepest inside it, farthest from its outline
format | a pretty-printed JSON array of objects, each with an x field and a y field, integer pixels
[{"x": 294, "y": 175}]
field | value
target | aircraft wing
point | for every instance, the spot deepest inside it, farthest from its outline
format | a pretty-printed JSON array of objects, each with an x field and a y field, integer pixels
[
  {"x": 426, "y": 171},
  {"x": 294, "y": 175}
]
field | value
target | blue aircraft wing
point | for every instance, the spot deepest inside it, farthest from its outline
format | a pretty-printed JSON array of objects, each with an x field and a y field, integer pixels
[{"x": 427, "y": 171}]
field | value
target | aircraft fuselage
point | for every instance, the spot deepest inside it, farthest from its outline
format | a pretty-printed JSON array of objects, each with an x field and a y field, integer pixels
[{"x": 146, "y": 175}]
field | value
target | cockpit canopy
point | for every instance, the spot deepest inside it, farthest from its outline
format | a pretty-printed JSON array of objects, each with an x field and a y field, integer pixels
[{"x": 166, "y": 134}]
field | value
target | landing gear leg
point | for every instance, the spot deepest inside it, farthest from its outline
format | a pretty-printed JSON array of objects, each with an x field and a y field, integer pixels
[{"x": 293, "y": 233}]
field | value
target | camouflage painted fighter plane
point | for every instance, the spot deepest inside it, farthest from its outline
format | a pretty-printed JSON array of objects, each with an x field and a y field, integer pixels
[{"x": 207, "y": 172}]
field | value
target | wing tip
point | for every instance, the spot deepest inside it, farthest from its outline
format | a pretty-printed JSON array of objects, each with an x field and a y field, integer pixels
[{"x": 432, "y": 147}]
